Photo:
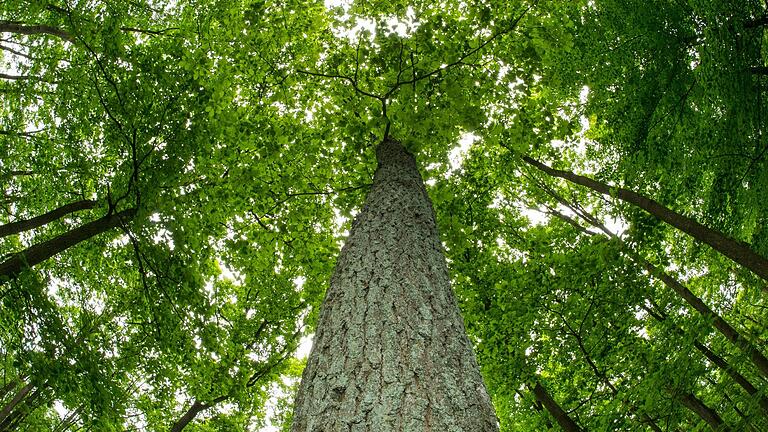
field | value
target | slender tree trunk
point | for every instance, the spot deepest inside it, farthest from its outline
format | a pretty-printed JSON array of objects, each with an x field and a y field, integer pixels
[
  {"x": 737, "y": 377},
  {"x": 22, "y": 411},
  {"x": 737, "y": 251},
  {"x": 38, "y": 253},
  {"x": 718, "y": 361},
  {"x": 38, "y": 221},
  {"x": 196, "y": 408},
  {"x": 745, "y": 419},
  {"x": 638, "y": 416},
  {"x": 69, "y": 420},
  {"x": 723, "y": 326},
  {"x": 20, "y": 395},
  {"x": 12, "y": 384},
  {"x": 390, "y": 352},
  {"x": 561, "y": 417},
  {"x": 704, "y": 412},
  {"x": 537, "y": 405},
  {"x": 33, "y": 29}
]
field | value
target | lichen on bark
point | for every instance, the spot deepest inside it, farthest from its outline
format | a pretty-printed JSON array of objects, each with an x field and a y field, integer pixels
[{"x": 390, "y": 352}]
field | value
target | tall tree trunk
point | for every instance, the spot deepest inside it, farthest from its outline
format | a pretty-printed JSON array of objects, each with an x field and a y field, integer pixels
[
  {"x": 20, "y": 395},
  {"x": 38, "y": 253},
  {"x": 12, "y": 384},
  {"x": 21, "y": 411},
  {"x": 390, "y": 352},
  {"x": 710, "y": 416},
  {"x": 196, "y": 408},
  {"x": 562, "y": 417},
  {"x": 38, "y": 221},
  {"x": 737, "y": 251},
  {"x": 638, "y": 416},
  {"x": 723, "y": 326},
  {"x": 735, "y": 375},
  {"x": 539, "y": 407},
  {"x": 718, "y": 361}
]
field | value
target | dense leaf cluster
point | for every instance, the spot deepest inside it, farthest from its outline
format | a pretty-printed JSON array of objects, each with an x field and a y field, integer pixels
[{"x": 177, "y": 177}]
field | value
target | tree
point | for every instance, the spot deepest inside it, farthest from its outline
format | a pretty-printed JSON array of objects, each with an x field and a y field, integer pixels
[
  {"x": 196, "y": 166},
  {"x": 390, "y": 350}
]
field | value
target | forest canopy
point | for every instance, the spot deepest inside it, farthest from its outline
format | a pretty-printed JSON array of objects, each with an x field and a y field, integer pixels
[{"x": 178, "y": 179}]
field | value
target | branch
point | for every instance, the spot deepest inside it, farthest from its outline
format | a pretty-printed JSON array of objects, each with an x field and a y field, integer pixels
[
  {"x": 18, "y": 27},
  {"x": 16, "y": 52},
  {"x": 27, "y": 134},
  {"x": 21, "y": 77},
  {"x": 149, "y": 32},
  {"x": 44, "y": 219},
  {"x": 351, "y": 80},
  {"x": 461, "y": 59}
]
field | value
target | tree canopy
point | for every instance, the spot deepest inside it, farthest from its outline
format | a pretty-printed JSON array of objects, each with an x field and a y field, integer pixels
[{"x": 177, "y": 179}]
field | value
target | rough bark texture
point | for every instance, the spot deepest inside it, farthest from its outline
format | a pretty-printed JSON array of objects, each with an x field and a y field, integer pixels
[
  {"x": 38, "y": 221},
  {"x": 38, "y": 253},
  {"x": 390, "y": 352},
  {"x": 737, "y": 251},
  {"x": 554, "y": 409}
]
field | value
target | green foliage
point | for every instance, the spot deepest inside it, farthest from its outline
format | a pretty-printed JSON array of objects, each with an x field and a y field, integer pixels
[{"x": 243, "y": 134}]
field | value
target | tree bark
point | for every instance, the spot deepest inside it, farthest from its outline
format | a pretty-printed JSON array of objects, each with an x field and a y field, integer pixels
[
  {"x": 38, "y": 253},
  {"x": 38, "y": 221},
  {"x": 723, "y": 326},
  {"x": 390, "y": 352},
  {"x": 34, "y": 29},
  {"x": 704, "y": 412},
  {"x": 562, "y": 417},
  {"x": 718, "y": 361},
  {"x": 12, "y": 384},
  {"x": 737, "y": 251},
  {"x": 737, "y": 377},
  {"x": 20, "y": 395}
]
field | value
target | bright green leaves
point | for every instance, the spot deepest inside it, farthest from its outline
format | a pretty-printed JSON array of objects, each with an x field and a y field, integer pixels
[{"x": 243, "y": 132}]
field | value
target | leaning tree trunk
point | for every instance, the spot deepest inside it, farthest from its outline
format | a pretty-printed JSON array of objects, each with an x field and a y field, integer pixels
[
  {"x": 739, "y": 252},
  {"x": 710, "y": 416},
  {"x": 390, "y": 352},
  {"x": 38, "y": 253},
  {"x": 562, "y": 417},
  {"x": 44, "y": 219}
]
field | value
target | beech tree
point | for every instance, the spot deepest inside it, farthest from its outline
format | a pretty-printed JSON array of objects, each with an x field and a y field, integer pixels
[{"x": 585, "y": 180}]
